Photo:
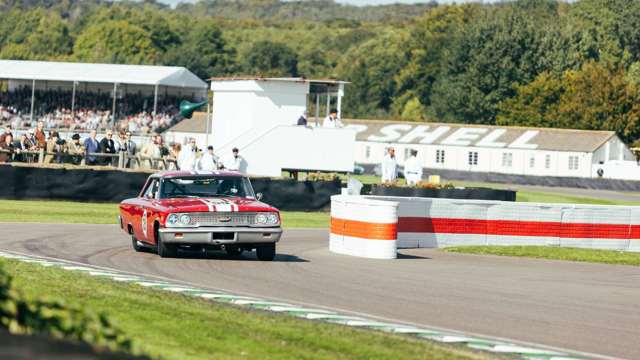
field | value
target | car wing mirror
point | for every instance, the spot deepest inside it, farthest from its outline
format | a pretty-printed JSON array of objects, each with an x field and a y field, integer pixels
[{"x": 259, "y": 196}]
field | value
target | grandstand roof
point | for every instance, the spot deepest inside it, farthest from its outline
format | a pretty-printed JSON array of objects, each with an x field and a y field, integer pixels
[{"x": 100, "y": 73}]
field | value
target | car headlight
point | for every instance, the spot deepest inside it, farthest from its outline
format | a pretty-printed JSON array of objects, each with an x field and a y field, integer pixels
[
  {"x": 261, "y": 219},
  {"x": 172, "y": 219},
  {"x": 185, "y": 219},
  {"x": 271, "y": 218}
]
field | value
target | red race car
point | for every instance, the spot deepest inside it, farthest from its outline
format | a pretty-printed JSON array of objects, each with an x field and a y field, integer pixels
[{"x": 203, "y": 210}]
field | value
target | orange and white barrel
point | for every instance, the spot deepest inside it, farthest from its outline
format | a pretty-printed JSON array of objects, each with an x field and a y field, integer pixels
[{"x": 363, "y": 227}]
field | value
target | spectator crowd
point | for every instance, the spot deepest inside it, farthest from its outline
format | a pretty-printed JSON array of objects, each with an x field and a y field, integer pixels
[
  {"x": 92, "y": 111},
  {"x": 110, "y": 149}
]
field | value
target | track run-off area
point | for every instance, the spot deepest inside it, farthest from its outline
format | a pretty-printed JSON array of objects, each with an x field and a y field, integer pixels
[{"x": 591, "y": 308}]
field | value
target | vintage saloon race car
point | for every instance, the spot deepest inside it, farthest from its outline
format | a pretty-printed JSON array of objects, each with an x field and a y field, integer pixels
[{"x": 185, "y": 209}]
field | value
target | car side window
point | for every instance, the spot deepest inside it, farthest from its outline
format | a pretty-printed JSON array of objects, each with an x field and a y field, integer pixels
[{"x": 152, "y": 190}]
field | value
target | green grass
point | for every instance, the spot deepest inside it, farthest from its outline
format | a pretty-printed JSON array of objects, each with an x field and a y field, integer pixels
[
  {"x": 554, "y": 253},
  {"x": 92, "y": 213},
  {"x": 173, "y": 326},
  {"x": 541, "y": 197}
]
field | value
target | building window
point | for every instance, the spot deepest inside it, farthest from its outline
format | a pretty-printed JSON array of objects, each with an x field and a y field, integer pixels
[
  {"x": 507, "y": 160},
  {"x": 367, "y": 152},
  {"x": 532, "y": 162},
  {"x": 439, "y": 156},
  {"x": 573, "y": 163},
  {"x": 547, "y": 161},
  {"x": 473, "y": 158}
]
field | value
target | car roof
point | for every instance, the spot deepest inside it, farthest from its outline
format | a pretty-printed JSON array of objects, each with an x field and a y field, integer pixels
[{"x": 182, "y": 173}]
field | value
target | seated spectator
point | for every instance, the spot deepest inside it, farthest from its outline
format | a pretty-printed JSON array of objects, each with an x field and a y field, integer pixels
[
  {"x": 7, "y": 131},
  {"x": 55, "y": 148}
]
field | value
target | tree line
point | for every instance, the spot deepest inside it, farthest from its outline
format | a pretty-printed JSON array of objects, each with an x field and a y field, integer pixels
[{"x": 530, "y": 62}]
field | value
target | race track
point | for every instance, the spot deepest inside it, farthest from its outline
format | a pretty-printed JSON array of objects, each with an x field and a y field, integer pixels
[{"x": 586, "y": 307}]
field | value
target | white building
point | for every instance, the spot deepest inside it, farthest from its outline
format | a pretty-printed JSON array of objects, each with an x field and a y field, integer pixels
[
  {"x": 259, "y": 116},
  {"x": 509, "y": 150}
]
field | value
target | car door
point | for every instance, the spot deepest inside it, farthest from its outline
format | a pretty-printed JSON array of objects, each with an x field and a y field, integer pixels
[{"x": 145, "y": 211}]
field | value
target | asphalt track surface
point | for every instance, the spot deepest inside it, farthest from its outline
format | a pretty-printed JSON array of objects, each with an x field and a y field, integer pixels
[{"x": 591, "y": 308}]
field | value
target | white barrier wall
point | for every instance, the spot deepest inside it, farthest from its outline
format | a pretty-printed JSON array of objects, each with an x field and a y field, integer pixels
[
  {"x": 363, "y": 227},
  {"x": 426, "y": 222}
]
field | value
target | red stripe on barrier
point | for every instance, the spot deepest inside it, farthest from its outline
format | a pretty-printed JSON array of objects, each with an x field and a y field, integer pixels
[{"x": 518, "y": 228}]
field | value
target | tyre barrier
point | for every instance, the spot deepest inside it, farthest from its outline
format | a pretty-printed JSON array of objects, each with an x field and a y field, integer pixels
[
  {"x": 429, "y": 223},
  {"x": 363, "y": 227}
]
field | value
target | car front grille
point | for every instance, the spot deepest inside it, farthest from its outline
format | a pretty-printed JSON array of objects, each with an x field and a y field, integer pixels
[{"x": 223, "y": 219}]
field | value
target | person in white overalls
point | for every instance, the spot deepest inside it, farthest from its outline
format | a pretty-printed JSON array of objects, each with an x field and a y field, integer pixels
[
  {"x": 389, "y": 166},
  {"x": 413, "y": 169}
]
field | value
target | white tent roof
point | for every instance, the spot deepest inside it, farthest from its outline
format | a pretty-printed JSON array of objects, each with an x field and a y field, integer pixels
[{"x": 100, "y": 73}]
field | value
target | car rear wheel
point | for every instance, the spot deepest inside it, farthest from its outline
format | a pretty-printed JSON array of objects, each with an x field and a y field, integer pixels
[
  {"x": 266, "y": 252},
  {"x": 166, "y": 250},
  {"x": 136, "y": 244}
]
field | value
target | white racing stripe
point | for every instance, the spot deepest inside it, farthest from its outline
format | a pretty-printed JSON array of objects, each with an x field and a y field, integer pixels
[{"x": 209, "y": 205}]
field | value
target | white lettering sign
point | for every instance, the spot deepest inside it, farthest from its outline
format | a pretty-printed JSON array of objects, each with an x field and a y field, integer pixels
[
  {"x": 523, "y": 141},
  {"x": 490, "y": 140},
  {"x": 464, "y": 136},
  {"x": 427, "y": 137},
  {"x": 391, "y": 132}
]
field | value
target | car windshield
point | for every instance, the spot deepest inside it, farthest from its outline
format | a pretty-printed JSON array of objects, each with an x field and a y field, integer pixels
[{"x": 222, "y": 186}]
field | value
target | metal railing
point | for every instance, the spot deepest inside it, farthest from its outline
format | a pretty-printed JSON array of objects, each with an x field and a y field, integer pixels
[{"x": 120, "y": 160}]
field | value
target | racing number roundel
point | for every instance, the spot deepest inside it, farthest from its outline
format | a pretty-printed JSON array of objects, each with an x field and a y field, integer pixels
[{"x": 144, "y": 223}]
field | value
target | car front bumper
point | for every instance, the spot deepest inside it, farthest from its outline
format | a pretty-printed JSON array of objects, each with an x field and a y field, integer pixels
[{"x": 220, "y": 235}]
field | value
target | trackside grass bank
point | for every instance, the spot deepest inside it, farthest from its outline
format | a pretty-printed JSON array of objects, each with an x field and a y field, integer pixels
[
  {"x": 172, "y": 326},
  {"x": 92, "y": 213},
  {"x": 554, "y": 253}
]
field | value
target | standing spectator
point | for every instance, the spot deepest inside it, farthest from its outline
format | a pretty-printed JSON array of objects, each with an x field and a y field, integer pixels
[
  {"x": 236, "y": 162},
  {"x": 91, "y": 145},
  {"x": 389, "y": 166},
  {"x": 151, "y": 151},
  {"x": 75, "y": 150},
  {"x": 413, "y": 169},
  {"x": 174, "y": 152},
  {"x": 187, "y": 156},
  {"x": 208, "y": 161},
  {"x": 41, "y": 139},
  {"x": 30, "y": 141},
  {"x": 55, "y": 148},
  {"x": 108, "y": 146},
  {"x": 7, "y": 149},
  {"x": 332, "y": 121},
  {"x": 129, "y": 149},
  {"x": 7, "y": 131}
]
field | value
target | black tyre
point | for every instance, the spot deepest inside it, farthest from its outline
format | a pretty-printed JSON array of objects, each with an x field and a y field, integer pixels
[
  {"x": 166, "y": 250},
  {"x": 266, "y": 252},
  {"x": 136, "y": 245},
  {"x": 233, "y": 251}
]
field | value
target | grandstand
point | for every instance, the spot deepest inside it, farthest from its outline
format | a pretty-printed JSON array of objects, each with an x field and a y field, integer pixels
[{"x": 80, "y": 96}]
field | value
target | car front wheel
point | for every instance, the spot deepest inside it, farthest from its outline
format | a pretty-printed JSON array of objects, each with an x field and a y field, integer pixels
[
  {"x": 166, "y": 250},
  {"x": 266, "y": 252}
]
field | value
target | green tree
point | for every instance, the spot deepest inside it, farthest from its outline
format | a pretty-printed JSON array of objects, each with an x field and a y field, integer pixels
[
  {"x": 504, "y": 46},
  {"x": 267, "y": 58},
  {"x": 115, "y": 41},
  {"x": 372, "y": 69},
  {"x": 203, "y": 51},
  {"x": 51, "y": 39}
]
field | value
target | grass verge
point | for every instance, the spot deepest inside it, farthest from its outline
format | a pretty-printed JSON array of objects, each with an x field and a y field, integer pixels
[
  {"x": 95, "y": 213},
  {"x": 173, "y": 326},
  {"x": 554, "y": 253}
]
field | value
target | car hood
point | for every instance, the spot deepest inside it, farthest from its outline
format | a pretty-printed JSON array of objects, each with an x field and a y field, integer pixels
[{"x": 220, "y": 204}]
